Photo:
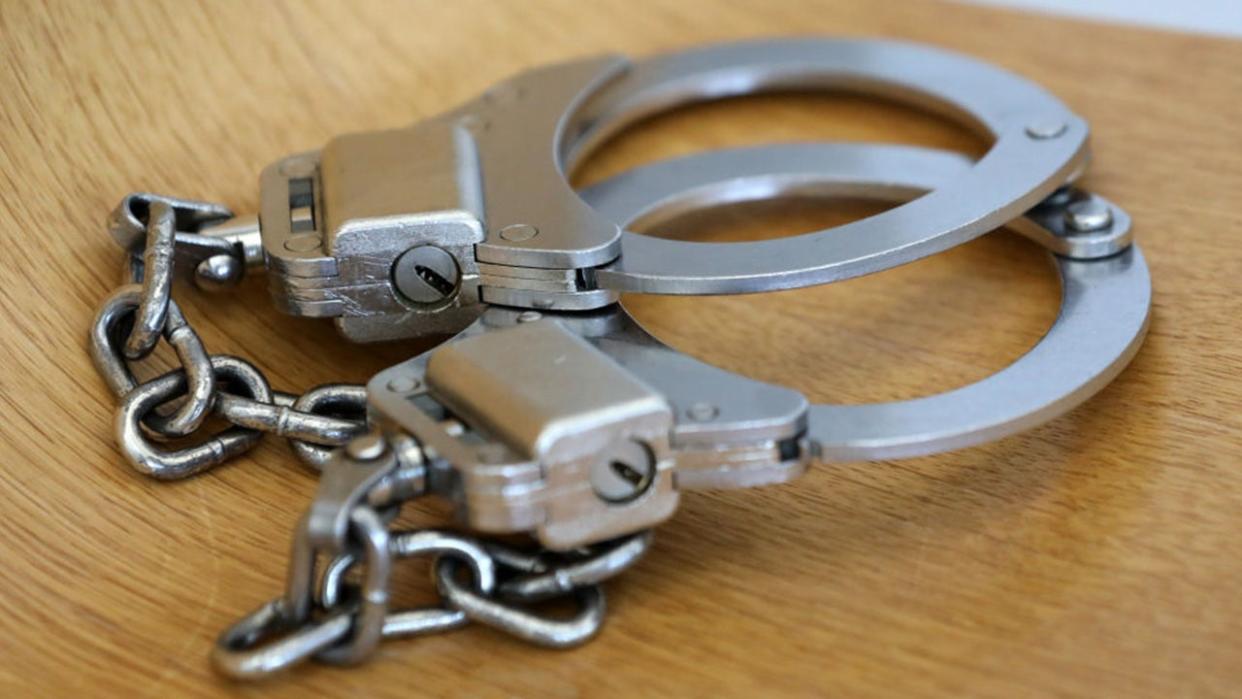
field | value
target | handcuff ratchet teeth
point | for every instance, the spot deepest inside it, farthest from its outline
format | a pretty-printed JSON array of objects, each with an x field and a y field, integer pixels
[{"x": 551, "y": 412}]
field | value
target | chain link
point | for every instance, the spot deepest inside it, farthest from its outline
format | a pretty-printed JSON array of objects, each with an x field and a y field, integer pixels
[
  {"x": 324, "y": 616},
  {"x": 340, "y": 613},
  {"x": 155, "y": 231},
  {"x": 347, "y": 401},
  {"x": 286, "y": 631}
]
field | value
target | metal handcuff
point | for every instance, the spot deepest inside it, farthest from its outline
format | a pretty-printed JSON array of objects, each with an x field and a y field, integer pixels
[{"x": 551, "y": 413}]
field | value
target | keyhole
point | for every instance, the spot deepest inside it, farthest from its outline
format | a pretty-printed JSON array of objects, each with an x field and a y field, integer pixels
[
  {"x": 624, "y": 473},
  {"x": 627, "y": 473},
  {"x": 434, "y": 279}
]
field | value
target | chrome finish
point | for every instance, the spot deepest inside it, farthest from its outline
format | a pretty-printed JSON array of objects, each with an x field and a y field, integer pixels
[
  {"x": 238, "y": 247},
  {"x": 1017, "y": 173},
  {"x": 490, "y": 186},
  {"x": 242, "y": 232},
  {"x": 515, "y": 381},
  {"x": 521, "y": 389},
  {"x": 715, "y": 439},
  {"x": 335, "y": 223},
  {"x": 552, "y": 413},
  {"x": 1105, "y": 304},
  {"x": 647, "y": 197},
  {"x": 1083, "y": 226},
  {"x": 1105, "y": 309}
]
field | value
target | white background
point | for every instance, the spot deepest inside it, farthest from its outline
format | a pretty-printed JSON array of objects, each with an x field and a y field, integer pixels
[{"x": 1221, "y": 17}]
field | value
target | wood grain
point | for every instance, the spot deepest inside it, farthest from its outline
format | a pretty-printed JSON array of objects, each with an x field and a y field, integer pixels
[{"x": 1100, "y": 555}]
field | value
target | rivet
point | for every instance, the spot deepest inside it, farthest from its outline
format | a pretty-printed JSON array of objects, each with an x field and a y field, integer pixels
[
  {"x": 1087, "y": 215},
  {"x": 302, "y": 243},
  {"x": 1044, "y": 130},
  {"x": 404, "y": 384},
  {"x": 518, "y": 232},
  {"x": 702, "y": 412}
]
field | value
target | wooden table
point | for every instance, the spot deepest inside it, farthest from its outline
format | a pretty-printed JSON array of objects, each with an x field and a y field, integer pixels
[{"x": 1100, "y": 555}]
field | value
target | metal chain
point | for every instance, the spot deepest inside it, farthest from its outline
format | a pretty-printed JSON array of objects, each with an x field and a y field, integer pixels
[
  {"x": 338, "y": 614},
  {"x": 158, "y": 234},
  {"x": 335, "y": 621}
]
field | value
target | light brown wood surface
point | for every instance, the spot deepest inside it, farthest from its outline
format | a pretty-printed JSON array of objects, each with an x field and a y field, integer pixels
[{"x": 1100, "y": 555}]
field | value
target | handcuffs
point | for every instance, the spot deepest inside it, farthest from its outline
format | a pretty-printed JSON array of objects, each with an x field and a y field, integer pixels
[{"x": 551, "y": 413}]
